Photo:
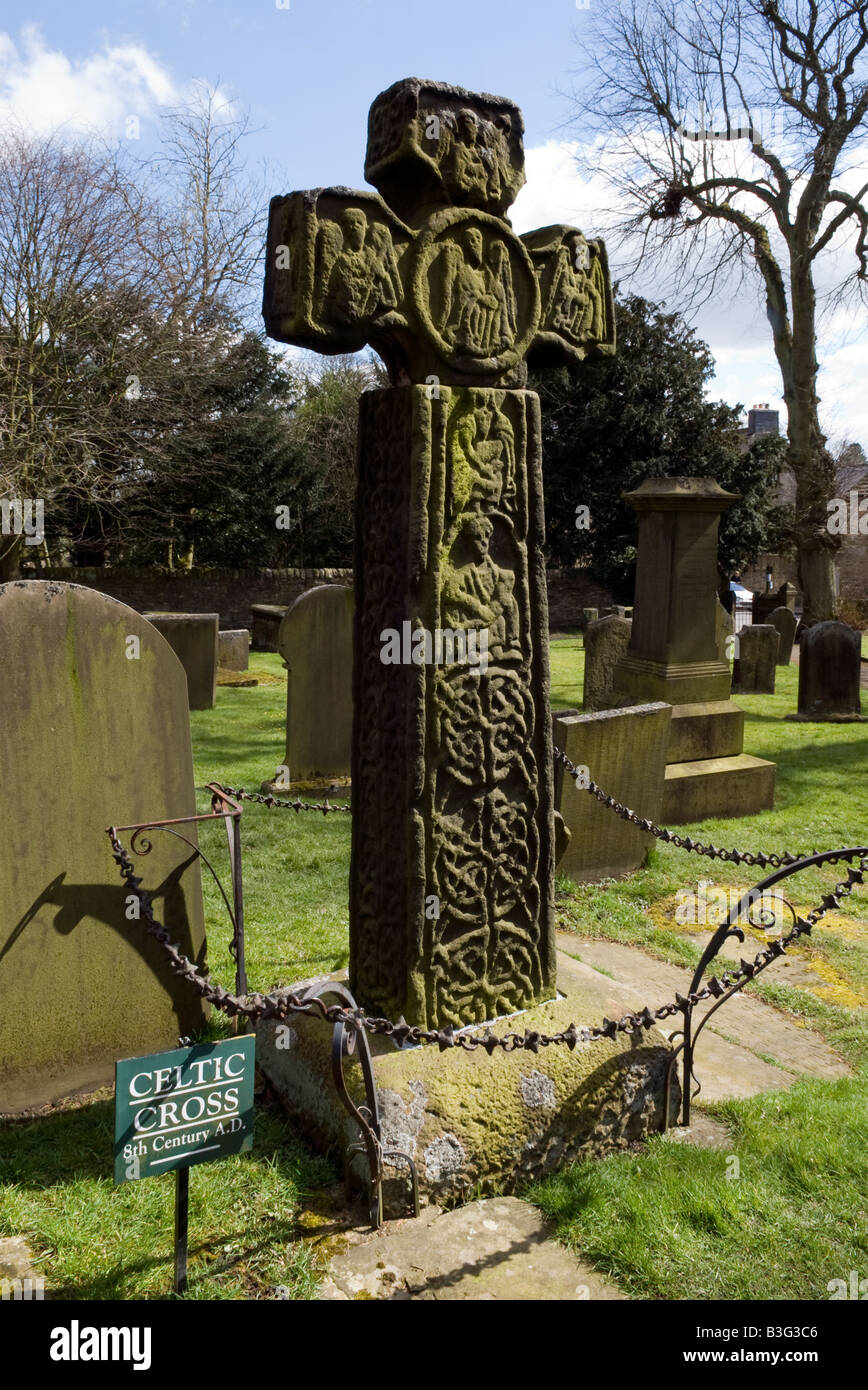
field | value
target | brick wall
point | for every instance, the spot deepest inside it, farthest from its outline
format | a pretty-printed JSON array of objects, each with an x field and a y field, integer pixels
[{"x": 231, "y": 592}]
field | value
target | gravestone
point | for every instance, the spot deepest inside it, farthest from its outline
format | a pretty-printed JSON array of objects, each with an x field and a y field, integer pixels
[
  {"x": 606, "y": 642},
  {"x": 316, "y": 643},
  {"x": 764, "y": 604},
  {"x": 233, "y": 649},
  {"x": 829, "y": 672},
  {"x": 624, "y": 751},
  {"x": 674, "y": 653},
  {"x": 94, "y": 731},
  {"x": 758, "y": 645},
  {"x": 452, "y": 775},
  {"x": 266, "y": 620},
  {"x": 590, "y": 615},
  {"x": 193, "y": 639},
  {"x": 785, "y": 622}
]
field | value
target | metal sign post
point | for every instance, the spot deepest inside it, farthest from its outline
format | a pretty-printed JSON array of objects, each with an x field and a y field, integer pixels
[{"x": 174, "y": 1109}]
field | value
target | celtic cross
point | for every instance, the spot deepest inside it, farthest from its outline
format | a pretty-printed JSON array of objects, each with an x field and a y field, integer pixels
[{"x": 451, "y": 894}]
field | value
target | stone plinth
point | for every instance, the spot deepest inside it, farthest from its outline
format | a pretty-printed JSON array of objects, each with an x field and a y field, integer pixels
[
  {"x": 316, "y": 643},
  {"x": 605, "y": 644},
  {"x": 677, "y": 653},
  {"x": 673, "y": 653},
  {"x": 233, "y": 649},
  {"x": 472, "y": 1122},
  {"x": 717, "y": 788},
  {"x": 625, "y": 753},
  {"x": 94, "y": 731},
  {"x": 829, "y": 673},
  {"x": 193, "y": 639}
]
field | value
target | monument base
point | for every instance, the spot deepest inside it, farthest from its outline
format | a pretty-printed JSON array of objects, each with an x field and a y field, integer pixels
[
  {"x": 710, "y": 729},
  {"x": 717, "y": 788},
  {"x": 675, "y": 683},
  {"x": 474, "y": 1123}
]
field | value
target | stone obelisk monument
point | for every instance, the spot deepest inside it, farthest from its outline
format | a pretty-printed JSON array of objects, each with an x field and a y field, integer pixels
[{"x": 451, "y": 900}]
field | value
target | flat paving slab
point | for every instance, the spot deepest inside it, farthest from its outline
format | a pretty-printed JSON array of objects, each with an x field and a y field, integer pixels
[
  {"x": 493, "y": 1249},
  {"x": 748, "y": 1047}
]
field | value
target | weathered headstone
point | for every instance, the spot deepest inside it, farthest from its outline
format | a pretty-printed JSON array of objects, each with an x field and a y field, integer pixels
[
  {"x": 764, "y": 604},
  {"x": 233, "y": 649},
  {"x": 829, "y": 673},
  {"x": 452, "y": 778},
  {"x": 590, "y": 615},
  {"x": 193, "y": 639},
  {"x": 266, "y": 619},
  {"x": 624, "y": 751},
  {"x": 674, "y": 653},
  {"x": 316, "y": 643},
  {"x": 606, "y": 641},
  {"x": 785, "y": 622},
  {"x": 94, "y": 731},
  {"x": 758, "y": 645}
]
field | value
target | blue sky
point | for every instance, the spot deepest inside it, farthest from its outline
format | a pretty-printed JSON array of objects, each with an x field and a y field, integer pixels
[{"x": 308, "y": 72}]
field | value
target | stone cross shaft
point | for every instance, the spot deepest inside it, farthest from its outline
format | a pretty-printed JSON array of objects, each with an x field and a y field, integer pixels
[{"x": 451, "y": 894}]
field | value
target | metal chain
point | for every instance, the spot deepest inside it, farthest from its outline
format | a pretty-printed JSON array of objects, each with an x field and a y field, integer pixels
[
  {"x": 267, "y": 800},
  {"x": 279, "y": 1007}
]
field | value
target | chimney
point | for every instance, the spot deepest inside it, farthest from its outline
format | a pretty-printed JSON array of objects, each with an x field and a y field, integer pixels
[{"x": 762, "y": 420}]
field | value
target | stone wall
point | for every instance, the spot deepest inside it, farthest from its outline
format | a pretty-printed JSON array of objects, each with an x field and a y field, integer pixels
[{"x": 231, "y": 592}]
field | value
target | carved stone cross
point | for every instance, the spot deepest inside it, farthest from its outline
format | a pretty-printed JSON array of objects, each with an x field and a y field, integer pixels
[{"x": 451, "y": 895}]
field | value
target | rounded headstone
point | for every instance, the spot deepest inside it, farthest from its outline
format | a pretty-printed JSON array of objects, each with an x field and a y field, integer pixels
[
  {"x": 94, "y": 731},
  {"x": 606, "y": 641},
  {"x": 829, "y": 671},
  {"x": 786, "y": 622},
  {"x": 316, "y": 642}
]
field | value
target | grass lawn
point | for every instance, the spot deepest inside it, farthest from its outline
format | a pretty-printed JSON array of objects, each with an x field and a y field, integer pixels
[{"x": 665, "y": 1222}]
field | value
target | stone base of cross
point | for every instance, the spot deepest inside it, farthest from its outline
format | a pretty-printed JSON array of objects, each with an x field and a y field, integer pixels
[{"x": 451, "y": 896}]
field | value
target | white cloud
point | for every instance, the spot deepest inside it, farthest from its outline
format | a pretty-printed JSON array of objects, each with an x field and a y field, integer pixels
[
  {"x": 43, "y": 90},
  {"x": 734, "y": 323}
]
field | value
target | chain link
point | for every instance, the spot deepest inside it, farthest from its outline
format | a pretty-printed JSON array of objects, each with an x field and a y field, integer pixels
[{"x": 266, "y": 799}]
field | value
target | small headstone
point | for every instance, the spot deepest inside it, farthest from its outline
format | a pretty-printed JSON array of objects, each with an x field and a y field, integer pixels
[
  {"x": 757, "y": 655},
  {"x": 193, "y": 639},
  {"x": 316, "y": 642},
  {"x": 233, "y": 649},
  {"x": 624, "y": 752},
  {"x": 786, "y": 622},
  {"x": 829, "y": 669},
  {"x": 590, "y": 615},
  {"x": 266, "y": 620},
  {"x": 94, "y": 731},
  {"x": 606, "y": 641}
]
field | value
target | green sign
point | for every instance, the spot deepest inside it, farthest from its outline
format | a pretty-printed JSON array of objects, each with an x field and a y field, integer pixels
[{"x": 174, "y": 1109}]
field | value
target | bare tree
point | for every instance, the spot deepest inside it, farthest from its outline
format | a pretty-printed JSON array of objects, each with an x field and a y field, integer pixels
[
  {"x": 213, "y": 229},
  {"x": 734, "y": 133},
  {"x": 73, "y": 279}
]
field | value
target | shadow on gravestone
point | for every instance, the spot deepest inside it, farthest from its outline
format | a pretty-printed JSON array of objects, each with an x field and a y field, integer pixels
[
  {"x": 758, "y": 645},
  {"x": 94, "y": 731}
]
